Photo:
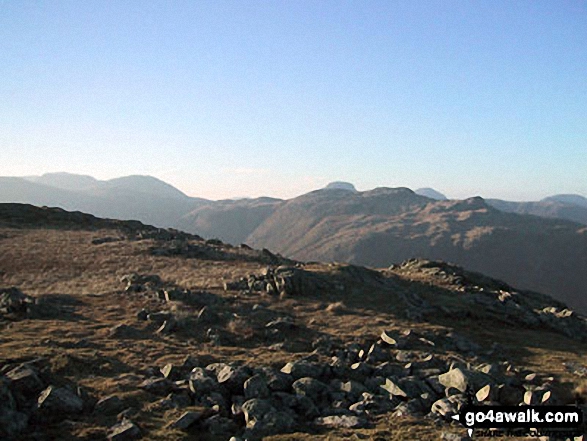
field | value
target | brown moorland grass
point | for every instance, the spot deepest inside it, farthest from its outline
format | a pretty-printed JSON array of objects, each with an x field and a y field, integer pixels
[{"x": 83, "y": 281}]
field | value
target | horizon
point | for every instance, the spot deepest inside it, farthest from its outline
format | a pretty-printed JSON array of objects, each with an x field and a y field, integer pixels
[
  {"x": 415, "y": 189},
  {"x": 221, "y": 99}
]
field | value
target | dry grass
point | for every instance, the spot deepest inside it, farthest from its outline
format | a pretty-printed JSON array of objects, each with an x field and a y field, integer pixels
[{"x": 84, "y": 280}]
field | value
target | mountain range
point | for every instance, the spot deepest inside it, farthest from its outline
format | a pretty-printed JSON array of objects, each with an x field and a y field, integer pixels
[{"x": 539, "y": 246}]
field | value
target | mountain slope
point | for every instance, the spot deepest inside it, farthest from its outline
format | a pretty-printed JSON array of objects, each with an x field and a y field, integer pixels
[
  {"x": 106, "y": 320},
  {"x": 549, "y": 207},
  {"x": 386, "y": 226},
  {"x": 231, "y": 221}
]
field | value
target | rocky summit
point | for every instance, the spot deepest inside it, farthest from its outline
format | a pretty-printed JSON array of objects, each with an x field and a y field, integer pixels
[{"x": 118, "y": 330}]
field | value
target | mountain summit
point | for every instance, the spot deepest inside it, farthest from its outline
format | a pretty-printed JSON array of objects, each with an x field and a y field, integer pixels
[{"x": 339, "y": 185}]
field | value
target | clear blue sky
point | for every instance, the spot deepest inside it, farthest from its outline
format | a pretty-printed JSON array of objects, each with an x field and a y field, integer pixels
[{"x": 234, "y": 98}]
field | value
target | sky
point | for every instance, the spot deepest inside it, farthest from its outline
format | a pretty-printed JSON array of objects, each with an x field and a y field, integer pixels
[{"x": 248, "y": 98}]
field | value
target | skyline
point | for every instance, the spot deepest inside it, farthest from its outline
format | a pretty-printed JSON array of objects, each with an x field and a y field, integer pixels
[{"x": 225, "y": 99}]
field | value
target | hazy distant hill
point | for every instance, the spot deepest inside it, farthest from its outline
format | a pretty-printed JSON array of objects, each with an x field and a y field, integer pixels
[
  {"x": 573, "y": 199},
  {"x": 548, "y": 207},
  {"x": 384, "y": 226},
  {"x": 339, "y": 185},
  {"x": 431, "y": 193},
  {"x": 65, "y": 181},
  {"x": 230, "y": 220},
  {"x": 143, "y": 198}
]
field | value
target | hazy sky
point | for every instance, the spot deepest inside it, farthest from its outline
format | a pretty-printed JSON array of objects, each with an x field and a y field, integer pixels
[{"x": 247, "y": 98}]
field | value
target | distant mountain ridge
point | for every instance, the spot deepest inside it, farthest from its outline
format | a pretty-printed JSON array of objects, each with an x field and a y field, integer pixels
[
  {"x": 375, "y": 228},
  {"x": 385, "y": 226},
  {"x": 143, "y": 198},
  {"x": 431, "y": 193}
]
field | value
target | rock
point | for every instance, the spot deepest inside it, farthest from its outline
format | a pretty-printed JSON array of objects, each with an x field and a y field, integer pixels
[
  {"x": 219, "y": 425},
  {"x": 171, "y": 372},
  {"x": 388, "y": 369},
  {"x": 510, "y": 395},
  {"x": 59, "y": 402},
  {"x": 168, "y": 326},
  {"x": 462, "y": 379},
  {"x": 25, "y": 381},
  {"x": 200, "y": 384},
  {"x": 393, "y": 389},
  {"x": 233, "y": 378},
  {"x": 386, "y": 337},
  {"x": 263, "y": 419},
  {"x": 12, "y": 423},
  {"x": 311, "y": 388},
  {"x": 157, "y": 386},
  {"x": 305, "y": 407},
  {"x": 445, "y": 408},
  {"x": 487, "y": 393},
  {"x": 255, "y": 409},
  {"x": 14, "y": 301},
  {"x": 303, "y": 368},
  {"x": 451, "y": 436},
  {"x": 159, "y": 317},
  {"x": 256, "y": 387},
  {"x": 276, "y": 380},
  {"x": 353, "y": 389},
  {"x": 111, "y": 405},
  {"x": 125, "y": 430},
  {"x": 536, "y": 396},
  {"x": 207, "y": 316},
  {"x": 123, "y": 331},
  {"x": 281, "y": 324},
  {"x": 360, "y": 371},
  {"x": 341, "y": 422},
  {"x": 186, "y": 420},
  {"x": 373, "y": 404}
]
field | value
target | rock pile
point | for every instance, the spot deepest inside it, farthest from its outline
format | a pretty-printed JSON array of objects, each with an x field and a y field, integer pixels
[
  {"x": 15, "y": 304},
  {"x": 398, "y": 374},
  {"x": 484, "y": 297},
  {"x": 31, "y": 397},
  {"x": 283, "y": 280}
]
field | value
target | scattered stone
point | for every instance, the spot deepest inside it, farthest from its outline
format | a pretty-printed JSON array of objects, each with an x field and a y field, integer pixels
[
  {"x": 461, "y": 380},
  {"x": 123, "y": 431},
  {"x": 256, "y": 387},
  {"x": 59, "y": 402},
  {"x": 233, "y": 378},
  {"x": 311, "y": 388},
  {"x": 171, "y": 372},
  {"x": 303, "y": 368},
  {"x": 24, "y": 380},
  {"x": 14, "y": 302},
  {"x": 157, "y": 386},
  {"x": 168, "y": 326},
  {"x": 123, "y": 331},
  {"x": 111, "y": 405},
  {"x": 341, "y": 422},
  {"x": 186, "y": 420}
]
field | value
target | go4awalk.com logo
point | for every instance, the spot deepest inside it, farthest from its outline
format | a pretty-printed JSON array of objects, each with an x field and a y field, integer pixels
[{"x": 497, "y": 421}]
